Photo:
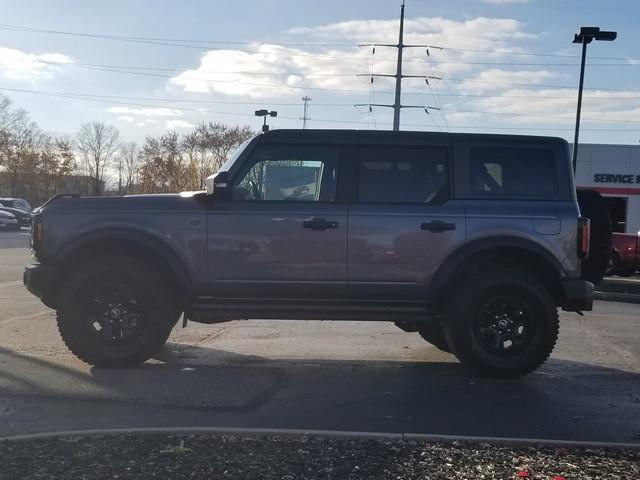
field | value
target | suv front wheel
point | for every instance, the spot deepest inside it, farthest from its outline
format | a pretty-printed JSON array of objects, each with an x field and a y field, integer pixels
[
  {"x": 115, "y": 312},
  {"x": 501, "y": 324}
]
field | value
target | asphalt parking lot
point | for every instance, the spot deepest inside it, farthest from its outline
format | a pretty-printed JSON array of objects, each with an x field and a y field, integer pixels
[{"x": 315, "y": 375}]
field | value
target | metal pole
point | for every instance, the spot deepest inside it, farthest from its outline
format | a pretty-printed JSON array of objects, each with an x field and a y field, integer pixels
[
  {"x": 306, "y": 100},
  {"x": 396, "y": 104},
  {"x": 575, "y": 140}
]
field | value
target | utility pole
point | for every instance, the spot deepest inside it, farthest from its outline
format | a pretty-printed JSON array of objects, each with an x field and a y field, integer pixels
[
  {"x": 397, "y": 104},
  {"x": 305, "y": 117}
]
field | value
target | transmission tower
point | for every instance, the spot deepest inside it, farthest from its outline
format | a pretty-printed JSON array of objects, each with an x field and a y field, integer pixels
[
  {"x": 397, "y": 105},
  {"x": 305, "y": 115}
]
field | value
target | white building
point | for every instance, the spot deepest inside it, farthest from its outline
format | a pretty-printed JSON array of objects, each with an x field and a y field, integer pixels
[{"x": 614, "y": 171}]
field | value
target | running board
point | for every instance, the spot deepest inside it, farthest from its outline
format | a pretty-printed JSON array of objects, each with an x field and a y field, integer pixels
[{"x": 220, "y": 311}]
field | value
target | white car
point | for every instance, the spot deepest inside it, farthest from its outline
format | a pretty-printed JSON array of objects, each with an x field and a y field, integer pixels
[{"x": 8, "y": 221}]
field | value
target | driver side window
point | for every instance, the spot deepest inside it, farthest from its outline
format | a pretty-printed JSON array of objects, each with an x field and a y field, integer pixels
[{"x": 296, "y": 173}]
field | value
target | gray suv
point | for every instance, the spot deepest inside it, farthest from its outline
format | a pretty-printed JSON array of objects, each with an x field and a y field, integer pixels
[{"x": 473, "y": 241}]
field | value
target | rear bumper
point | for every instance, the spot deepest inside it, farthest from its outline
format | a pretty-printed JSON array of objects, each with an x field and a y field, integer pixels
[
  {"x": 38, "y": 280},
  {"x": 577, "y": 295}
]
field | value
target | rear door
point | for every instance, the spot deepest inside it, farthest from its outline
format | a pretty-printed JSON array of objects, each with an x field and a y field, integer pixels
[{"x": 404, "y": 223}]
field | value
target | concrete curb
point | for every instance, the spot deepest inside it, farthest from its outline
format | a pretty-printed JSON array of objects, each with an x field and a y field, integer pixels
[
  {"x": 495, "y": 441},
  {"x": 617, "y": 297}
]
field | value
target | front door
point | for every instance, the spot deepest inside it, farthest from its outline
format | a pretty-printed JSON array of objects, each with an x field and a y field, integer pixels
[
  {"x": 280, "y": 235},
  {"x": 403, "y": 224}
]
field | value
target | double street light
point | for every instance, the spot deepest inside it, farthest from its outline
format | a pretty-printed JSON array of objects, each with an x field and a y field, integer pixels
[
  {"x": 585, "y": 37},
  {"x": 265, "y": 113}
]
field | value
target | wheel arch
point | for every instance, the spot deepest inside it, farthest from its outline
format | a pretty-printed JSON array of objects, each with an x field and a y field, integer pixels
[
  {"x": 508, "y": 252},
  {"x": 127, "y": 242}
]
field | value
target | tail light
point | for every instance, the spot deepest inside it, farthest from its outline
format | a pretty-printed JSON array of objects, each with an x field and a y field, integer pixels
[
  {"x": 37, "y": 232},
  {"x": 584, "y": 237}
]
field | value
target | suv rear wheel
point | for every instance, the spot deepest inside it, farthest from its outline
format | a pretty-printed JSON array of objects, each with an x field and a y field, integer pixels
[
  {"x": 115, "y": 312},
  {"x": 501, "y": 324}
]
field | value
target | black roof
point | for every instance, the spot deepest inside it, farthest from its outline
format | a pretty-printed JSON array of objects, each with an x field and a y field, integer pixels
[{"x": 391, "y": 137}]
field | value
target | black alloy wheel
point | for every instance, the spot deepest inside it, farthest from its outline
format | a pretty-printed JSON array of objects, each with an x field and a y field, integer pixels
[
  {"x": 116, "y": 313},
  {"x": 505, "y": 325}
]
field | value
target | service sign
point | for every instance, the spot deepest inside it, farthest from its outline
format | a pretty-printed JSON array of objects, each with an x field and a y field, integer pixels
[{"x": 618, "y": 178}]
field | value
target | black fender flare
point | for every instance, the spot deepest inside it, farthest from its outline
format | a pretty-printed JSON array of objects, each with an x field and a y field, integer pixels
[
  {"x": 459, "y": 257},
  {"x": 143, "y": 240}
]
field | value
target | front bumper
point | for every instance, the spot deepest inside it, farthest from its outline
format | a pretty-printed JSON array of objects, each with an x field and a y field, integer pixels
[
  {"x": 38, "y": 279},
  {"x": 577, "y": 295}
]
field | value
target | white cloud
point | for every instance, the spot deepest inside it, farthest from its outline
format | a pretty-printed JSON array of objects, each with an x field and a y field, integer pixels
[
  {"x": 266, "y": 70},
  {"x": 548, "y": 106},
  {"x": 29, "y": 67},
  {"x": 174, "y": 124},
  {"x": 126, "y": 119},
  {"x": 146, "y": 111},
  {"x": 473, "y": 33},
  {"x": 500, "y": 79}
]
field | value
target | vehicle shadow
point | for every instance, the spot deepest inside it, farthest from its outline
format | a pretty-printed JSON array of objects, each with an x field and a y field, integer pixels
[{"x": 198, "y": 386}]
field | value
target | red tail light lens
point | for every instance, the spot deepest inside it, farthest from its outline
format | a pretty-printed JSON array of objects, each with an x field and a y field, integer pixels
[
  {"x": 37, "y": 232},
  {"x": 584, "y": 237}
]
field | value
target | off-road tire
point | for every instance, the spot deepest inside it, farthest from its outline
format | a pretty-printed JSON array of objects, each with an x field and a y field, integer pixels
[
  {"x": 74, "y": 321},
  {"x": 434, "y": 334},
  {"x": 463, "y": 309}
]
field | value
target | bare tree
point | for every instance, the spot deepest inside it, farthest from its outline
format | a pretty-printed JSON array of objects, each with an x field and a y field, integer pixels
[
  {"x": 129, "y": 158},
  {"x": 18, "y": 153},
  {"x": 97, "y": 144}
]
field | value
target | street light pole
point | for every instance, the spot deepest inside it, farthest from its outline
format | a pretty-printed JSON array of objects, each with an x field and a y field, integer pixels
[
  {"x": 585, "y": 36},
  {"x": 580, "y": 88}
]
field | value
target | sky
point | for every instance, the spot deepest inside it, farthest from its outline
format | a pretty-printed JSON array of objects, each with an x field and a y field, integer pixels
[{"x": 500, "y": 66}]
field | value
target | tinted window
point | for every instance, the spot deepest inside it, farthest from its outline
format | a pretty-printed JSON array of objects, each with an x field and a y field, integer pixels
[
  {"x": 513, "y": 171},
  {"x": 402, "y": 174},
  {"x": 280, "y": 173}
]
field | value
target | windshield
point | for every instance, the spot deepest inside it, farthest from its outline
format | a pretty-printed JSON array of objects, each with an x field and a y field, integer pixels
[{"x": 233, "y": 156}]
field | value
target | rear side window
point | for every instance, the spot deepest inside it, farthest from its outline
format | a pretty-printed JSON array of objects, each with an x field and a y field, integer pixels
[
  {"x": 513, "y": 171},
  {"x": 402, "y": 175}
]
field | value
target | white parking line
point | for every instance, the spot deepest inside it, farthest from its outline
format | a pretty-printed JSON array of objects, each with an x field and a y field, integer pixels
[{"x": 11, "y": 284}]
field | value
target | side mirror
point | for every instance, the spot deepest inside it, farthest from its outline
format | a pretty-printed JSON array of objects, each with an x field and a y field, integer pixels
[{"x": 217, "y": 182}]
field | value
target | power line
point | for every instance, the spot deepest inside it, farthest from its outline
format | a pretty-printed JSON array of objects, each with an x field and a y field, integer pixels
[
  {"x": 225, "y": 102},
  {"x": 181, "y": 42},
  {"x": 202, "y": 110},
  {"x": 202, "y": 45},
  {"x": 130, "y": 71}
]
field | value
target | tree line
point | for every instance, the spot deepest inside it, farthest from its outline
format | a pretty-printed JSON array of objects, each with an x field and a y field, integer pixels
[{"x": 35, "y": 164}]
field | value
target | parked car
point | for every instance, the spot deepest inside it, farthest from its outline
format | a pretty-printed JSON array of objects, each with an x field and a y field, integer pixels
[
  {"x": 473, "y": 241},
  {"x": 19, "y": 203},
  {"x": 625, "y": 254},
  {"x": 23, "y": 218},
  {"x": 8, "y": 221}
]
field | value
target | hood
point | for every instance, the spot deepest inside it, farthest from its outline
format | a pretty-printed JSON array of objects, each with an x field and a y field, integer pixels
[
  {"x": 15, "y": 212},
  {"x": 150, "y": 202}
]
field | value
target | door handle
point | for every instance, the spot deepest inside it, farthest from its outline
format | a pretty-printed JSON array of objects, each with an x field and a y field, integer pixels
[
  {"x": 319, "y": 224},
  {"x": 437, "y": 226}
]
